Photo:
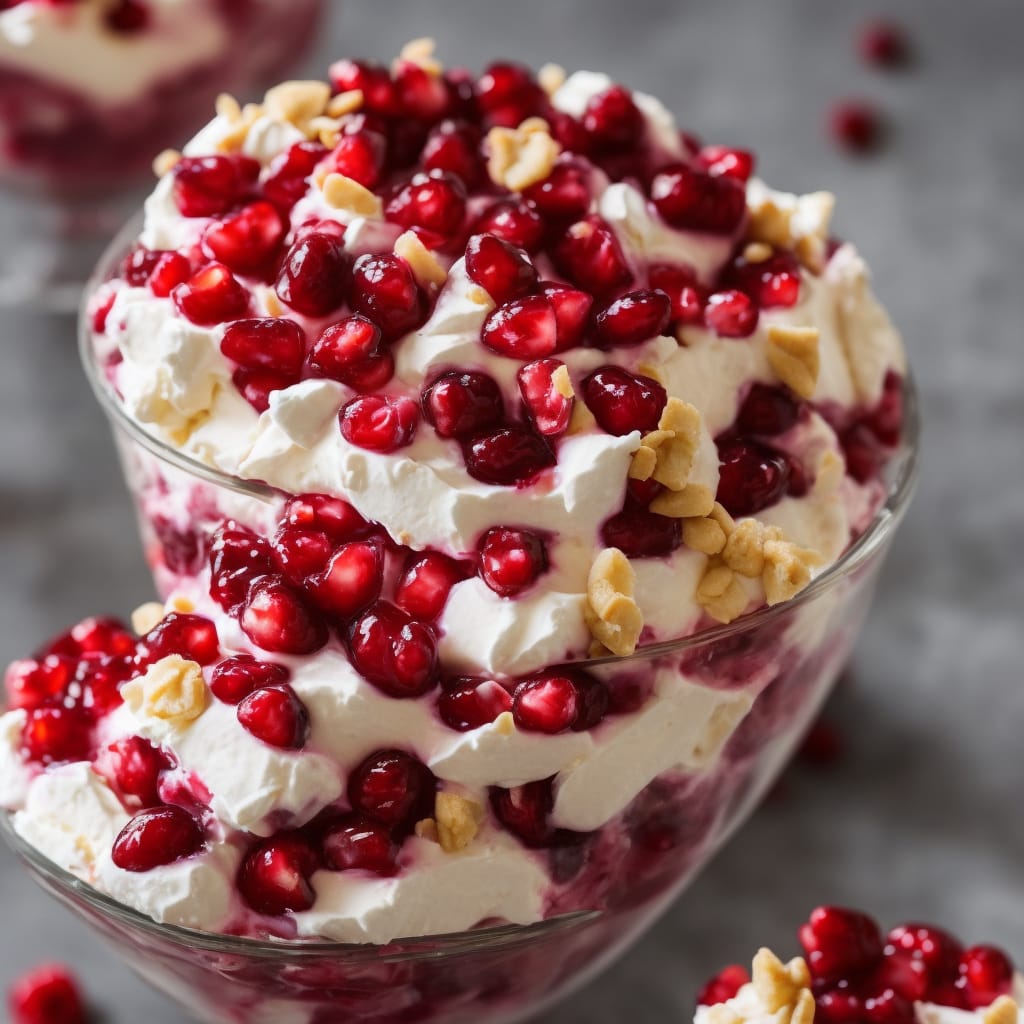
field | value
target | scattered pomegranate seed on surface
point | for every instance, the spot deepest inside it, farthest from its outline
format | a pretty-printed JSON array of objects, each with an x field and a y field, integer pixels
[
  {"x": 590, "y": 256},
  {"x": 549, "y": 409},
  {"x": 276, "y": 617},
  {"x": 286, "y": 183},
  {"x": 378, "y": 423},
  {"x": 454, "y": 147},
  {"x": 686, "y": 295},
  {"x": 53, "y": 734},
  {"x": 771, "y": 283},
  {"x": 359, "y": 155},
  {"x": 31, "y": 682},
  {"x": 767, "y": 411},
  {"x": 208, "y": 186},
  {"x": 751, "y": 477},
  {"x": 512, "y": 455},
  {"x": 275, "y": 876},
  {"x": 423, "y": 588},
  {"x": 470, "y": 703},
  {"x": 192, "y": 636},
  {"x": 723, "y": 160},
  {"x": 986, "y": 973},
  {"x": 504, "y": 271},
  {"x": 558, "y": 700},
  {"x": 731, "y": 314},
  {"x": 522, "y": 328},
  {"x": 237, "y": 557},
  {"x": 884, "y": 44},
  {"x": 524, "y": 811},
  {"x": 613, "y": 120},
  {"x": 275, "y": 344},
  {"x": 334, "y": 516},
  {"x": 247, "y": 240},
  {"x": 393, "y": 788},
  {"x": 699, "y": 201},
  {"x": 384, "y": 291},
  {"x": 511, "y": 560},
  {"x": 236, "y": 677},
  {"x": 840, "y": 943},
  {"x": 572, "y": 313},
  {"x": 355, "y": 843},
  {"x": 170, "y": 270},
  {"x": 623, "y": 402},
  {"x": 314, "y": 276},
  {"x": 395, "y": 652},
  {"x": 435, "y": 201},
  {"x": 639, "y": 533},
  {"x": 856, "y": 125},
  {"x": 564, "y": 195},
  {"x": 301, "y": 553},
  {"x": 47, "y": 994},
  {"x": 460, "y": 404},
  {"x": 633, "y": 319},
  {"x": 724, "y": 985},
  {"x": 508, "y": 94},
  {"x": 351, "y": 580},
  {"x": 134, "y": 765},
  {"x": 157, "y": 837},
  {"x": 211, "y": 296},
  {"x": 514, "y": 221},
  {"x": 372, "y": 80},
  {"x": 275, "y": 715}
]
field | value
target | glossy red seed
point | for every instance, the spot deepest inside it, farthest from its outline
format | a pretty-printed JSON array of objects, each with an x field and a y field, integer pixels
[
  {"x": 421, "y": 95},
  {"x": 694, "y": 200},
  {"x": 613, "y": 120},
  {"x": 863, "y": 452},
  {"x": 633, "y": 319},
  {"x": 300, "y": 553},
  {"x": 286, "y": 182},
  {"x": 888, "y": 1007},
  {"x": 435, "y": 201},
  {"x": 524, "y": 811},
  {"x": 470, "y": 703},
  {"x": 138, "y": 265},
  {"x": 935, "y": 947},
  {"x": 351, "y": 580},
  {"x": 372, "y": 80},
  {"x": 622, "y": 401},
  {"x": 900, "y": 971},
  {"x": 886, "y": 420},
  {"x": 157, "y": 837},
  {"x": 767, "y": 411},
  {"x": 314, "y": 276},
  {"x": 512, "y": 455},
  {"x": 99, "y": 311},
  {"x": 355, "y": 843},
  {"x": 334, "y": 516},
  {"x": 247, "y": 240},
  {"x": 855, "y": 125},
  {"x": 395, "y": 652},
  {"x": 565, "y": 194},
  {"x": 723, "y": 986},
  {"x": 554, "y": 701},
  {"x": 502, "y": 270},
  {"x": 987, "y": 973},
  {"x": 511, "y": 559},
  {"x": 572, "y": 313},
  {"x": 463, "y": 404},
  {"x": 359, "y": 155},
  {"x": 276, "y": 344},
  {"x": 236, "y": 677},
  {"x": 46, "y": 995},
  {"x": 454, "y": 147},
  {"x": 194, "y": 637},
  {"x": 275, "y": 876},
  {"x": 133, "y": 765},
  {"x": 102, "y": 635},
  {"x": 724, "y": 160},
  {"x": 207, "y": 186},
  {"x": 686, "y": 295},
  {"x": 351, "y": 351},
  {"x": 172, "y": 269},
  {"x": 770, "y": 283},
  {"x": 638, "y": 533},
  {"x": 752, "y": 477},
  {"x": 515, "y": 221},
  {"x": 256, "y": 386},
  {"x": 548, "y": 407},
  {"x": 590, "y": 256},
  {"x": 840, "y": 943},
  {"x": 276, "y": 618},
  {"x": 211, "y": 296},
  {"x": 237, "y": 556},
  {"x": 731, "y": 314},
  {"x": 883, "y": 44},
  {"x": 522, "y": 329},
  {"x": 508, "y": 94},
  {"x": 424, "y": 586},
  {"x": 378, "y": 423},
  {"x": 32, "y": 682},
  {"x": 385, "y": 291},
  {"x": 55, "y": 734},
  {"x": 840, "y": 1006},
  {"x": 276, "y": 716},
  {"x": 393, "y": 788}
]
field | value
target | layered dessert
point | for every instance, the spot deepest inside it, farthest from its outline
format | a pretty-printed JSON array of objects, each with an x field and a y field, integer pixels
[
  {"x": 852, "y": 972},
  {"x": 91, "y": 90}
]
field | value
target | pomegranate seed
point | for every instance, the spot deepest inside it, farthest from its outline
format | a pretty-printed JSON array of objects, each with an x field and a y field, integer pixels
[
  {"x": 524, "y": 811},
  {"x": 237, "y": 556},
  {"x": 512, "y": 455},
  {"x": 157, "y": 837},
  {"x": 883, "y": 44},
  {"x": 393, "y": 788},
  {"x": 697, "y": 201},
  {"x": 686, "y": 296},
  {"x": 207, "y": 186},
  {"x": 31, "y": 683},
  {"x": 638, "y": 533},
  {"x": 565, "y": 194},
  {"x": 357, "y": 844},
  {"x": 572, "y": 313},
  {"x": 138, "y": 265},
  {"x": 987, "y": 973},
  {"x": 569, "y": 133},
  {"x": 421, "y": 95},
  {"x": 385, "y": 291},
  {"x": 314, "y": 275},
  {"x": 939, "y": 951},
  {"x": 99, "y": 678},
  {"x": 590, "y": 256},
  {"x": 435, "y": 202},
  {"x": 300, "y": 553},
  {"x": 248, "y": 240},
  {"x": 523, "y": 328},
  {"x": 171, "y": 270},
  {"x": 192, "y": 636},
  {"x": 276, "y": 618},
  {"x": 634, "y": 318},
  {"x": 770, "y": 283},
  {"x": 508, "y": 94},
  {"x": 127, "y": 17},
  {"x": 856, "y": 125},
  {"x": 731, "y": 314},
  {"x": 46, "y": 995},
  {"x": 886, "y": 421},
  {"x": 372, "y": 80},
  {"x": 723, "y": 986},
  {"x": 55, "y": 734},
  {"x": 863, "y": 452},
  {"x": 133, "y": 765},
  {"x": 549, "y": 409},
  {"x": 840, "y": 943},
  {"x": 555, "y": 701},
  {"x": 722, "y": 160},
  {"x": 424, "y": 586},
  {"x": 256, "y": 386},
  {"x": 334, "y": 516},
  {"x": 275, "y": 344},
  {"x": 888, "y": 1008},
  {"x": 100, "y": 312},
  {"x": 514, "y": 221},
  {"x": 351, "y": 352},
  {"x": 511, "y": 560},
  {"x": 454, "y": 147},
  {"x": 275, "y": 876},
  {"x": 901, "y": 972},
  {"x": 613, "y": 120},
  {"x": 351, "y": 580},
  {"x": 463, "y": 404},
  {"x": 378, "y": 423},
  {"x": 287, "y": 178},
  {"x": 767, "y": 411},
  {"x": 102, "y": 635},
  {"x": 470, "y": 703},
  {"x": 211, "y": 296},
  {"x": 623, "y": 402},
  {"x": 236, "y": 677},
  {"x": 502, "y": 270},
  {"x": 751, "y": 477},
  {"x": 276, "y": 716},
  {"x": 359, "y": 155},
  {"x": 393, "y": 651},
  {"x": 840, "y": 1007}
]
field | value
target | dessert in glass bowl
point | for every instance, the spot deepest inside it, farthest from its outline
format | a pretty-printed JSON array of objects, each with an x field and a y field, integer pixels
[
  {"x": 92, "y": 90},
  {"x": 852, "y": 972},
  {"x": 514, "y": 472}
]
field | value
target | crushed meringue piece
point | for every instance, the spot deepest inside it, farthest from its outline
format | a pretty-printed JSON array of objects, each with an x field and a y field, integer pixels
[
  {"x": 643, "y": 463},
  {"x": 552, "y": 78},
  {"x": 703, "y": 534},
  {"x": 228, "y": 107},
  {"x": 457, "y": 819},
  {"x": 521, "y": 157},
  {"x": 788, "y": 221},
  {"x": 720, "y": 592},
  {"x": 1003, "y": 1011},
  {"x": 692, "y": 501},
  {"x": 744, "y": 550},
  {"x": 165, "y": 162},
  {"x": 614, "y": 618},
  {"x": 347, "y": 194},
  {"x": 297, "y": 101},
  {"x": 425, "y": 266},
  {"x": 787, "y": 570},
  {"x": 172, "y": 689},
  {"x": 146, "y": 616},
  {"x": 347, "y": 102},
  {"x": 757, "y": 252},
  {"x": 794, "y": 356},
  {"x": 421, "y": 53},
  {"x": 562, "y": 382}
]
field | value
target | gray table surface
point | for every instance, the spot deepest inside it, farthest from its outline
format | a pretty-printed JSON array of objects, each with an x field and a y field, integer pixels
[{"x": 923, "y": 817}]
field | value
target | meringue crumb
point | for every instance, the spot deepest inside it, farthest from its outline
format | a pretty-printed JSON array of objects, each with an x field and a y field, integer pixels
[
  {"x": 505, "y": 724},
  {"x": 787, "y": 570},
  {"x": 181, "y": 603},
  {"x": 828, "y": 477},
  {"x": 233, "y": 140},
  {"x": 347, "y": 194},
  {"x": 800, "y": 223},
  {"x": 479, "y": 297},
  {"x": 551, "y": 78},
  {"x": 146, "y": 616},
  {"x": 744, "y": 550},
  {"x": 426, "y": 829},
  {"x": 458, "y": 821},
  {"x": 581, "y": 420},
  {"x": 421, "y": 53},
  {"x": 720, "y": 516},
  {"x": 611, "y": 612},
  {"x": 228, "y": 107},
  {"x": 793, "y": 355},
  {"x": 641, "y": 467},
  {"x": 757, "y": 252},
  {"x": 347, "y": 102},
  {"x": 165, "y": 162},
  {"x": 297, "y": 101},
  {"x": 1002, "y": 1011},
  {"x": 562, "y": 382},
  {"x": 172, "y": 689},
  {"x": 803, "y": 1012},
  {"x": 772, "y": 982},
  {"x": 704, "y": 535},
  {"x": 692, "y": 502},
  {"x": 425, "y": 266},
  {"x": 677, "y": 453},
  {"x": 521, "y": 157},
  {"x": 325, "y": 129},
  {"x": 720, "y": 593}
]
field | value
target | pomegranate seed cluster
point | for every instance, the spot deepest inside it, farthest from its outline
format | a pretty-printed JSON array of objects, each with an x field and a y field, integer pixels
[{"x": 853, "y": 972}]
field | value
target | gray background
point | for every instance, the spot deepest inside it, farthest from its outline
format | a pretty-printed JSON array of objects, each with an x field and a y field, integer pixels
[{"x": 923, "y": 817}]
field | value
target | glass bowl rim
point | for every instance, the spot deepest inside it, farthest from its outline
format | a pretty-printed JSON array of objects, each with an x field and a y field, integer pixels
[{"x": 902, "y": 471}]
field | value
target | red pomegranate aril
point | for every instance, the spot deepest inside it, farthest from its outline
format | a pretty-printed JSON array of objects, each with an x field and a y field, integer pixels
[
  {"x": 393, "y": 788},
  {"x": 348, "y": 350},
  {"x": 751, "y": 477},
  {"x": 770, "y": 283},
  {"x": 237, "y": 555},
  {"x": 46, "y": 995},
  {"x": 565, "y": 194},
  {"x": 511, "y": 560},
  {"x": 211, "y": 296},
  {"x": 623, "y": 402},
  {"x": 32, "y": 682},
  {"x": 52, "y": 735},
  {"x": 356, "y": 844},
  {"x": 901, "y": 972},
  {"x": 372, "y": 80},
  {"x": 508, "y": 94},
  {"x": 395, "y": 652},
  {"x": 276, "y": 617},
  {"x": 572, "y": 313},
  {"x": 102, "y": 635},
  {"x": 633, "y": 319},
  {"x": 359, "y": 155},
  {"x": 385, "y": 291},
  {"x": 286, "y": 181},
  {"x": 855, "y": 125},
  {"x": 512, "y": 455},
  {"x": 502, "y": 270},
  {"x": 549, "y": 409},
  {"x": 723, "y": 160},
  {"x": 275, "y": 715},
  {"x": 138, "y": 265},
  {"x": 470, "y": 703},
  {"x": 731, "y": 314},
  {"x": 613, "y": 120},
  {"x": 351, "y": 580},
  {"x": 301, "y": 553},
  {"x": 883, "y": 44},
  {"x": 454, "y": 147},
  {"x": 421, "y": 94},
  {"x": 840, "y": 1006},
  {"x": 236, "y": 677},
  {"x": 334, "y": 516},
  {"x": 134, "y": 765},
  {"x": 590, "y": 256},
  {"x": 987, "y": 974},
  {"x": 886, "y": 421},
  {"x": 172, "y": 269},
  {"x": 694, "y": 200},
  {"x": 247, "y": 240},
  {"x": 840, "y": 944},
  {"x": 424, "y": 586},
  {"x": 435, "y": 201},
  {"x": 256, "y": 386},
  {"x": 555, "y": 701},
  {"x": 723, "y": 986},
  {"x": 378, "y": 423},
  {"x": 570, "y": 134},
  {"x": 937, "y": 949},
  {"x": 275, "y": 876},
  {"x": 686, "y": 296},
  {"x": 639, "y": 533},
  {"x": 207, "y": 186},
  {"x": 522, "y": 329},
  {"x": 276, "y": 344},
  {"x": 99, "y": 312},
  {"x": 863, "y": 452},
  {"x": 460, "y": 404},
  {"x": 888, "y": 1007},
  {"x": 524, "y": 811},
  {"x": 515, "y": 221},
  {"x": 314, "y": 275},
  {"x": 767, "y": 411},
  {"x": 157, "y": 837},
  {"x": 192, "y": 636}
]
